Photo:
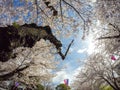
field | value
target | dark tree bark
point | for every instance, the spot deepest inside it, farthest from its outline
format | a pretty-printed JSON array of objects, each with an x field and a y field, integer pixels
[
  {"x": 12, "y": 73},
  {"x": 25, "y": 35}
]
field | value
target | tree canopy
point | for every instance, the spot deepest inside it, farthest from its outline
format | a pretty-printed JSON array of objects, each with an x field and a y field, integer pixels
[
  {"x": 32, "y": 33},
  {"x": 62, "y": 87}
]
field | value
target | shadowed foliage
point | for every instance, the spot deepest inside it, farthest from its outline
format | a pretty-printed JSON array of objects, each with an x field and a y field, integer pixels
[{"x": 62, "y": 87}]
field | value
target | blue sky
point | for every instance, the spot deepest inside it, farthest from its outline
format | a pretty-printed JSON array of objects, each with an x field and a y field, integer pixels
[
  {"x": 18, "y": 3},
  {"x": 72, "y": 64},
  {"x": 81, "y": 49}
]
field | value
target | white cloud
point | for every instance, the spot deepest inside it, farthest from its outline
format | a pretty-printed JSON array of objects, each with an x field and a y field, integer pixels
[
  {"x": 65, "y": 74},
  {"x": 82, "y": 50},
  {"x": 93, "y": 0},
  {"x": 91, "y": 44},
  {"x": 61, "y": 75},
  {"x": 77, "y": 70}
]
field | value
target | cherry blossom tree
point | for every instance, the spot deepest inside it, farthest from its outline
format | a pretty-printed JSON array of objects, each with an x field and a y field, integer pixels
[
  {"x": 99, "y": 68},
  {"x": 32, "y": 65}
]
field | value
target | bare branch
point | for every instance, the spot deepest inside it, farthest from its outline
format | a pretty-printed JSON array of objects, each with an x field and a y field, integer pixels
[
  {"x": 12, "y": 73},
  {"x": 61, "y": 10},
  {"x": 76, "y": 12},
  {"x": 115, "y": 27},
  {"x": 42, "y": 11},
  {"x": 109, "y": 83},
  {"x": 110, "y": 37},
  {"x": 17, "y": 70},
  {"x": 36, "y": 3},
  {"x": 61, "y": 54}
]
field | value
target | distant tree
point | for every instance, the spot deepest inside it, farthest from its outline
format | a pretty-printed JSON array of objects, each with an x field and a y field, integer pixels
[
  {"x": 62, "y": 87},
  {"x": 105, "y": 87},
  {"x": 40, "y": 87},
  {"x": 32, "y": 65},
  {"x": 98, "y": 68}
]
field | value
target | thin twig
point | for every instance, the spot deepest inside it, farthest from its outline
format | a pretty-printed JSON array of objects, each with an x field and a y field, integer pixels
[
  {"x": 42, "y": 11},
  {"x": 36, "y": 3},
  {"x": 12, "y": 73},
  {"x": 61, "y": 10},
  {"x": 115, "y": 27},
  {"x": 110, "y": 37},
  {"x": 76, "y": 12},
  {"x": 17, "y": 70}
]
